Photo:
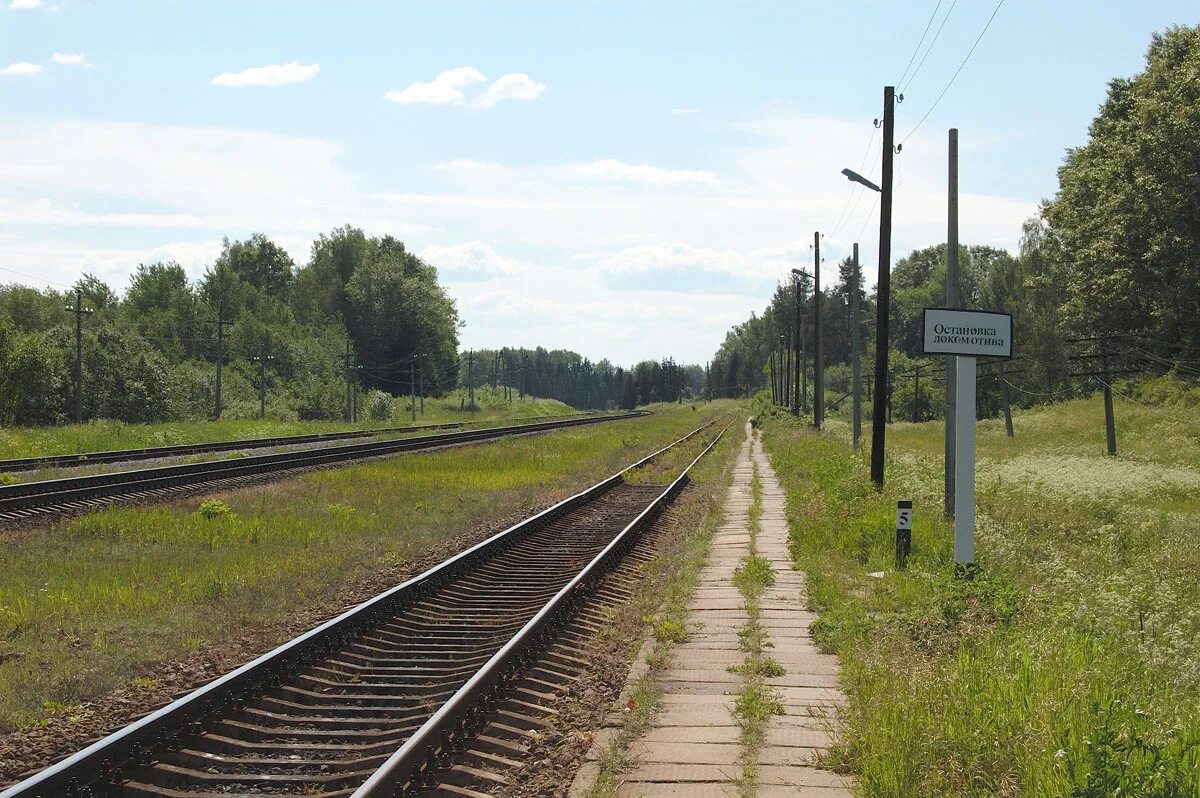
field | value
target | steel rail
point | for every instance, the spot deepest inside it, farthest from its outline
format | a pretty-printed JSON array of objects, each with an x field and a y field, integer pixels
[
  {"x": 47, "y": 494},
  {"x": 77, "y": 459},
  {"x": 77, "y": 774},
  {"x": 414, "y": 763}
]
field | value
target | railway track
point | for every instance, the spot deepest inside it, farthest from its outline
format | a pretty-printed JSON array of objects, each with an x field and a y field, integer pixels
[
  {"x": 78, "y": 459},
  {"x": 28, "y": 501},
  {"x": 436, "y": 684}
]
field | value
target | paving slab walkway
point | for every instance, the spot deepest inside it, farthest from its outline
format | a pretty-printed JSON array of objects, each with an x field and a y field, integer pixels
[{"x": 695, "y": 748}]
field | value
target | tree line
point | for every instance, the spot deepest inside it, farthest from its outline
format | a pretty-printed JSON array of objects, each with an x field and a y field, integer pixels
[
  {"x": 363, "y": 314},
  {"x": 1103, "y": 282}
]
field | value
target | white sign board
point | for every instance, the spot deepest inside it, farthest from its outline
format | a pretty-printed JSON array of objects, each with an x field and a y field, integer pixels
[
  {"x": 904, "y": 514},
  {"x": 977, "y": 333}
]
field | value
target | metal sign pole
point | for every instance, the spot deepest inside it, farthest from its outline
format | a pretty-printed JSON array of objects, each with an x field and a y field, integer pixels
[{"x": 964, "y": 461}]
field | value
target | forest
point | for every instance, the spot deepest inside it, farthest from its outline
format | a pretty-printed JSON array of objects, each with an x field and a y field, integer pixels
[
  {"x": 1102, "y": 285},
  {"x": 364, "y": 315}
]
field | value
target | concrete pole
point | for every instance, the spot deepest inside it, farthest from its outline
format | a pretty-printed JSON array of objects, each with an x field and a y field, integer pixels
[
  {"x": 855, "y": 354},
  {"x": 818, "y": 367},
  {"x": 964, "y": 478},
  {"x": 953, "y": 300}
]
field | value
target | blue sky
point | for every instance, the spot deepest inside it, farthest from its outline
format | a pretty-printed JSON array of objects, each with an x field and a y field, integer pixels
[{"x": 624, "y": 179}]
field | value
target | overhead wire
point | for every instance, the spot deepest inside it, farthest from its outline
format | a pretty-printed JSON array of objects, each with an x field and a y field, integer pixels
[
  {"x": 917, "y": 49},
  {"x": 953, "y": 77},
  {"x": 900, "y": 88}
]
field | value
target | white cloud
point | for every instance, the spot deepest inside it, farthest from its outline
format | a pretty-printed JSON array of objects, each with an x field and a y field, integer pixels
[
  {"x": 269, "y": 75},
  {"x": 70, "y": 59},
  {"x": 21, "y": 69},
  {"x": 513, "y": 86},
  {"x": 445, "y": 89},
  {"x": 473, "y": 258},
  {"x": 25, "y": 3},
  {"x": 766, "y": 263},
  {"x": 613, "y": 170}
]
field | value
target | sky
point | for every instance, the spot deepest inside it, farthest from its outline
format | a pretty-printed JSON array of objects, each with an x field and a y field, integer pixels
[{"x": 624, "y": 179}]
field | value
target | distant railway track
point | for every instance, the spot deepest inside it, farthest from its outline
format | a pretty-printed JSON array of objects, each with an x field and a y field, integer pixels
[
  {"x": 77, "y": 459},
  {"x": 28, "y": 501},
  {"x": 440, "y": 682}
]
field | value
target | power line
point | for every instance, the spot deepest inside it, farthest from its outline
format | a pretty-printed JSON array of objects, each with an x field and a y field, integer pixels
[
  {"x": 978, "y": 39},
  {"x": 929, "y": 49},
  {"x": 32, "y": 277}
]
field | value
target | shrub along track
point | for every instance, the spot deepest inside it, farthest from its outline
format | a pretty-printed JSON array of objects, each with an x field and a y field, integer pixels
[
  {"x": 30, "y": 502},
  {"x": 439, "y": 681}
]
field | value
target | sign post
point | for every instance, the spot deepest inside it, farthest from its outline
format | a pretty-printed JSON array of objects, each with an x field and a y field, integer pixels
[
  {"x": 967, "y": 334},
  {"x": 904, "y": 519}
]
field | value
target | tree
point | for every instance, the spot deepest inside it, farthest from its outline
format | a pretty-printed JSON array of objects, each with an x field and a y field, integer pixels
[
  {"x": 1124, "y": 224},
  {"x": 259, "y": 262}
]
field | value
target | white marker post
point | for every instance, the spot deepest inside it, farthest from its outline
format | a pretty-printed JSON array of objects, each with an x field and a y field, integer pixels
[{"x": 967, "y": 334}]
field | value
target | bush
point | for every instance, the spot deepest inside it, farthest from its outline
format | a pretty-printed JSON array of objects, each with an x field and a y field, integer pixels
[{"x": 378, "y": 405}]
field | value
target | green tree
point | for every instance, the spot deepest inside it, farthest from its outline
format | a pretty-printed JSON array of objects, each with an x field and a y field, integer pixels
[{"x": 1124, "y": 224}]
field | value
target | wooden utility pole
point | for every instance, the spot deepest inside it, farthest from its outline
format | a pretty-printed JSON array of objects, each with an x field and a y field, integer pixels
[
  {"x": 262, "y": 359},
  {"x": 220, "y": 322},
  {"x": 80, "y": 311},
  {"x": 855, "y": 354},
  {"x": 1110, "y": 429},
  {"x": 818, "y": 368},
  {"x": 787, "y": 370},
  {"x": 421, "y": 379},
  {"x": 471, "y": 380},
  {"x": 953, "y": 300},
  {"x": 774, "y": 380},
  {"x": 349, "y": 397},
  {"x": 1008, "y": 428},
  {"x": 412, "y": 389},
  {"x": 883, "y": 288},
  {"x": 916, "y": 394}
]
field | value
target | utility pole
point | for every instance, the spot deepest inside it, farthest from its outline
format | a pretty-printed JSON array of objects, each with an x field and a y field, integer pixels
[
  {"x": 855, "y": 345},
  {"x": 916, "y": 394},
  {"x": 798, "y": 336},
  {"x": 1008, "y": 428},
  {"x": 412, "y": 388},
  {"x": 262, "y": 359},
  {"x": 471, "y": 380},
  {"x": 818, "y": 369},
  {"x": 521, "y": 389},
  {"x": 774, "y": 380},
  {"x": 220, "y": 322},
  {"x": 883, "y": 288},
  {"x": 787, "y": 369},
  {"x": 80, "y": 311},
  {"x": 953, "y": 300},
  {"x": 349, "y": 397},
  {"x": 421, "y": 378},
  {"x": 1110, "y": 430}
]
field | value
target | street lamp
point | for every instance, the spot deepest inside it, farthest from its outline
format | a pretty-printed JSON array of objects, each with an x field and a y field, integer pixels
[{"x": 855, "y": 177}]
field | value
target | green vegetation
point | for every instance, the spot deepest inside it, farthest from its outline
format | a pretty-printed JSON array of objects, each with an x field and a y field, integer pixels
[
  {"x": 1066, "y": 665},
  {"x": 105, "y": 435},
  {"x": 1108, "y": 264},
  {"x": 85, "y": 604}
]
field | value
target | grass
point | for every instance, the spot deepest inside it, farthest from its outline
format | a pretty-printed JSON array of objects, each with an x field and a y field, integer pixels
[
  {"x": 105, "y": 435},
  {"x": 1068, "y": 664},
  {"x": 668, "y": 589},
  {"x": 88, "y": 603}
]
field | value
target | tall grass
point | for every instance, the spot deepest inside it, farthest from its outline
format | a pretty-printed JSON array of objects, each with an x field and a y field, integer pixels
[
  {"x": 1068, "y": 665},
  {"x": 84, "y": 604},
  {"x": 106, "y": 435}
]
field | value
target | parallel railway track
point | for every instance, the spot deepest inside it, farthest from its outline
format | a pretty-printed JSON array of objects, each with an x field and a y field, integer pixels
[
  {"x": 76, "y": 460},
  {"x": 28, "y": 501},
  {"x": 438, "y": 683}
]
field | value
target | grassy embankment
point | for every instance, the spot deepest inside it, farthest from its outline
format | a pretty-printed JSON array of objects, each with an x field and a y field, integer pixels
[
  {"x": 87, "y": 603},
  {"x": 17, "y": 442},
  {"x": 1069, "y": 665}
]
